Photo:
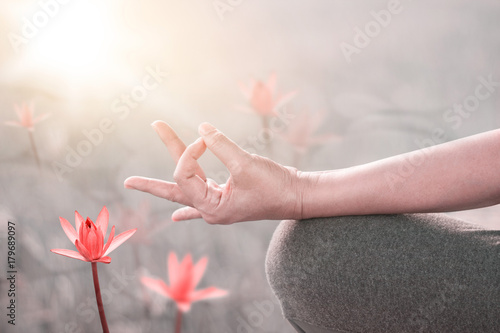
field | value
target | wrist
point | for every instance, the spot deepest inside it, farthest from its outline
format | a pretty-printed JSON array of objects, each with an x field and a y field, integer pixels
[
  {"x": 319, "y": 194},
  {"x": 305, "y": 188}
]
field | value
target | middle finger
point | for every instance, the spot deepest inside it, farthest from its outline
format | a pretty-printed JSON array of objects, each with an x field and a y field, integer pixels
[{"x": 173, "y": 143}]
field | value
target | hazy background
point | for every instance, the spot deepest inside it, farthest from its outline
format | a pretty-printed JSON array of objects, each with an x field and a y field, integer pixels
[{"x": 79, "y": 63}]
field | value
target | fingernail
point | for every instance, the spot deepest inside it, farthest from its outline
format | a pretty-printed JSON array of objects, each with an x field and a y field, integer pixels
[{"x": 206, "y": 128}]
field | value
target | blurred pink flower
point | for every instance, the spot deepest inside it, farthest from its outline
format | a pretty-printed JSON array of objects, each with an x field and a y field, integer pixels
[
  {"x": 301, "y": 131},
  {"x": 261, "y": 96},
  {"x": 25, "y": 116},
  {"x": 26, "y": 120},
  {"x": 183, "y": 278},
  {"x": 90, "y": 238},
  {"x": 141, "y": 216}
]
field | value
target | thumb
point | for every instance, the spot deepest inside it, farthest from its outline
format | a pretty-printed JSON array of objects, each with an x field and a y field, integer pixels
[{"x": 224, "y": 148}]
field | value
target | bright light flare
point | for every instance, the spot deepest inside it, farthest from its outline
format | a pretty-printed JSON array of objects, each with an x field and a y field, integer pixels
[{"x": 77, "y": 41}]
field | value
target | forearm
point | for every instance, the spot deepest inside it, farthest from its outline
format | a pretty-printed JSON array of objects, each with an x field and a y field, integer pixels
[{"x": 457, "y": 175}]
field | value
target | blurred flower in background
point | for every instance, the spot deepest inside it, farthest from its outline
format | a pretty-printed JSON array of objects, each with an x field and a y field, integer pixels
[
  {"x": 301, "y": 133},
  {"x": 27, "y": 121},
  {"x": 263, "y": 99},
  {"x": 262, "y": 96},
  {"x": 142, "y": 217},
  {"x": 183, "y": 277},
  {"x": 25, "y": 115}
]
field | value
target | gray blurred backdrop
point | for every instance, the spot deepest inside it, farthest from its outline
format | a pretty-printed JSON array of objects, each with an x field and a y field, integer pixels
[{"x": 369, "y": 85}]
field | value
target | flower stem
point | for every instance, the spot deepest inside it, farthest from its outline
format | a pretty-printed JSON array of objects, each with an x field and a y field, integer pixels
[
  {"x": 102, "y": 315},
  {"x": 265, "y": 122},
  {"x": 178, "y": 322},
  {"x": 33, "y": 147},
  {"x": 265, "y": 128}
]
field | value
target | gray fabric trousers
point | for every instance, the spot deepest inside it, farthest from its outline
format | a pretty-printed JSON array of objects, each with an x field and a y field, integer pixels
[{"x": 386, "y": 273}]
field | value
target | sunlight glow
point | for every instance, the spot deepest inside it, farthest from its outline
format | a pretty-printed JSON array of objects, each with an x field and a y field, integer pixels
[{"x": 77, "y": 41}]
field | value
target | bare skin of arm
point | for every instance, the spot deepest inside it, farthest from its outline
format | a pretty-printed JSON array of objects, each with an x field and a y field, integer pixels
[{"x": 457, "y": 175}]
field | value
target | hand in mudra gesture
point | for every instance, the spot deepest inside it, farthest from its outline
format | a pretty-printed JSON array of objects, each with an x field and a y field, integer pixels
[{"x": 257, "y": 188}]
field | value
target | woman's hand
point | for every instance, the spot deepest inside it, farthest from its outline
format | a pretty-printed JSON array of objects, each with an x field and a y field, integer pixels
[{"x": 257, "y": 188}]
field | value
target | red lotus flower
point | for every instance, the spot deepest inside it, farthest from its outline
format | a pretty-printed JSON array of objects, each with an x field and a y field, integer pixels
[
  {"x": 183, "y": 278},
  {"x": 25, "y": 116},
  {"x": 90, "y": 238},
  {"x": 262, "y": 96}
]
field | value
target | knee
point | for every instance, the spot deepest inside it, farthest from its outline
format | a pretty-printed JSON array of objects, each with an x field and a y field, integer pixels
[
  {"x": 359, "y": 273},
  {"x": 298, "y": 251},
  {"x": 309, "y": 261},
  {"x": 308, "y": 250},
  {"x": 304, "y": 253}
]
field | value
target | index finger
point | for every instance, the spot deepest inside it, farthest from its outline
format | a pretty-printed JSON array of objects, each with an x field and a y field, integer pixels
[{"x": 173, "y": 143}]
